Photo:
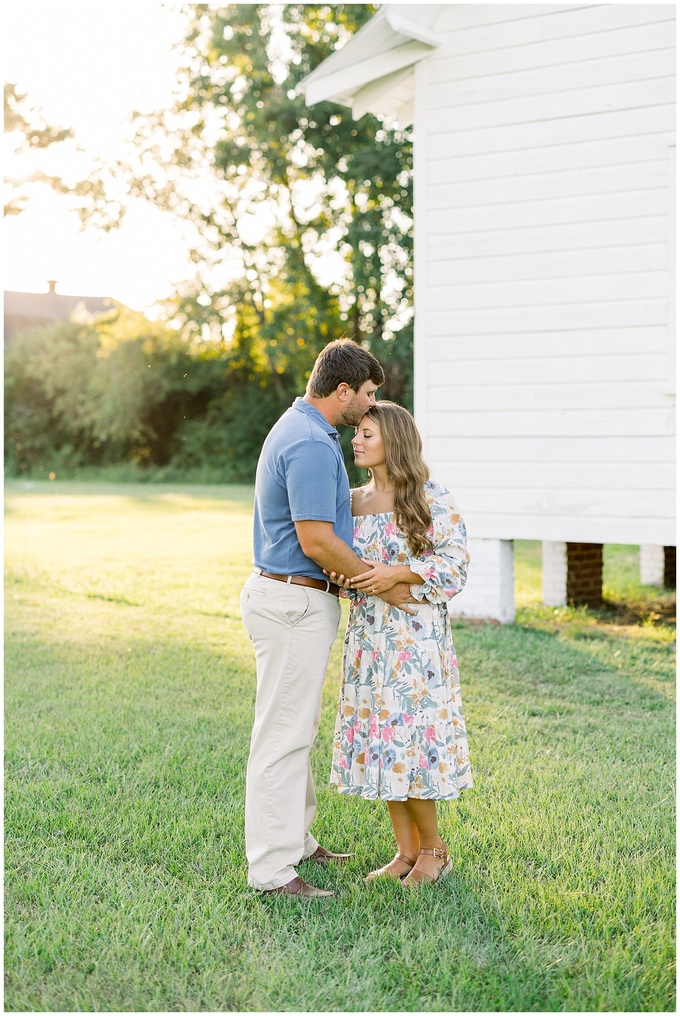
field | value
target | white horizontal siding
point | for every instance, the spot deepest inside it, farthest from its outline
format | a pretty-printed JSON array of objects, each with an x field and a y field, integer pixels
[
  {"x": 581, "y": 316},
  {"x": 475, "y": 28},
  {"x": 550, "y": 238},
  {"x": 524, "y": 422},
  {"x": 510, "y": 371},
  {"x": 620, "y": 123},
  {"x": 502, "y": 212},
  {"x": 548, "y": 449},
  {"x": 612, "y": 343},
  {"x": 501, "y": 85},
  {"x": 488, "y": 397},
  {"x": 603, "y": 288},
  {"x": 518, "y": 59},
  {"x": 629, "y": 476},
  {"x": 553, "y": 525},
  {"x": 634, "y": 258},
  {"x": 569, "y": 183},
  {"x": 591, "y": 155},
  {"x": 582, "y": 502},
  {"x": 585, "y": 102},
  {"x": 542, "y": 268}
]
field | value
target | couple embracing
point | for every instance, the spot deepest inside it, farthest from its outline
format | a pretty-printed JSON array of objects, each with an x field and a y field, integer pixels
[{"x": 396, "y": 548}]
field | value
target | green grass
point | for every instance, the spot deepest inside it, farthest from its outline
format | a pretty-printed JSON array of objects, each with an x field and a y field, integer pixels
[{"x": 129, "y": 696}]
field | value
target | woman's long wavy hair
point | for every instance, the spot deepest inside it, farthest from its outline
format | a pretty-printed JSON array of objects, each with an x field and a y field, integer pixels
[{"x": 407, "y": 470}]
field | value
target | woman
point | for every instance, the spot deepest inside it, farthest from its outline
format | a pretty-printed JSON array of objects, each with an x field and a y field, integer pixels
[{"x": 400, "y": 735}]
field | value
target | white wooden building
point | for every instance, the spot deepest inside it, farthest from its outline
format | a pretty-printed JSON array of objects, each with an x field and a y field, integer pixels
[{"x": 544, "y": 204}]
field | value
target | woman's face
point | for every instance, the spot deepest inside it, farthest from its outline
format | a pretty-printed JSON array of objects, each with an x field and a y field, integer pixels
[{"x": 369, "y": 450}]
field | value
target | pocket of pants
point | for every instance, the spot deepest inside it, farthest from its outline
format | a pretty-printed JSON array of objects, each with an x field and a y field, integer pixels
[
  {"x": 251, "y": 600},
  {"x": 298, "y": 606}
]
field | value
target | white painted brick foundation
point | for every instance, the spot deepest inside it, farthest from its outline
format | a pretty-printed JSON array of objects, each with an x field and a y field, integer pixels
[
  {"x": 490, "y": 588},
  {"x": 554, "y": 573},
  {"x": 652, "y": 564}
]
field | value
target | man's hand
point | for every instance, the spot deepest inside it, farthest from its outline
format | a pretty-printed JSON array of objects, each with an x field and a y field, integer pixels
[
  {"x": 400, "y": 596},
  {"x": 338, "y": 580},
  {"x": 337, "y": 560}
]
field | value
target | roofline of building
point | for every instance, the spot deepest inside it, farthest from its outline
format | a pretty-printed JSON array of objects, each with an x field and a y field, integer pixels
[{"x": 372, "y": 64}]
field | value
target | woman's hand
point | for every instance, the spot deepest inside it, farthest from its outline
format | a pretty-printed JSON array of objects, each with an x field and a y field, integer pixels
[{"x": 378, "y": 579}]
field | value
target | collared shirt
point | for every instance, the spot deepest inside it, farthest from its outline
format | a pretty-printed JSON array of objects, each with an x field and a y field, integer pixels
[{"x": 301, "y": 476}]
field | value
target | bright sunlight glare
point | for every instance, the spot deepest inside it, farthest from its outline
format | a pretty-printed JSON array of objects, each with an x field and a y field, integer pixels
[{"x": 87, "y": 66}]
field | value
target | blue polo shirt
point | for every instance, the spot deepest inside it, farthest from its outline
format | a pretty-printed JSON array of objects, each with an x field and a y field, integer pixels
[{"x": 301, "y": 476}]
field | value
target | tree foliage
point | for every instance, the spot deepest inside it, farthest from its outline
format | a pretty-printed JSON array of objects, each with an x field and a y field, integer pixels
[
  {"x": 302, "y": 225},
  {"x": 302, "y": 216},
  {"x": 31, "y": 132},
  {"x": 120, "y": 388}
]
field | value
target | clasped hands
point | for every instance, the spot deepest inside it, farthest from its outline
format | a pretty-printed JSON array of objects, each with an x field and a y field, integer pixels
[{"x": 378, "y": 579}]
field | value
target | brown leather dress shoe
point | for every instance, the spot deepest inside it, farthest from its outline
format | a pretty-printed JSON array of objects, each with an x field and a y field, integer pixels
[
  {"x": 323, "y": 856},
  {"x": 298, "y": 887}
]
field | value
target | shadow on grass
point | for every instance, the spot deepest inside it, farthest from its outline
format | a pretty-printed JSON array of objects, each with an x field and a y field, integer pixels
[
  {"x": 655, "y": 610},
  {"x": 440, "y": 948},
  {"x": 641, "y": 605}
]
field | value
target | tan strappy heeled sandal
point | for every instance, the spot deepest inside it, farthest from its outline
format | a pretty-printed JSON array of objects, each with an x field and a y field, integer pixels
[
  {"x": 415, "y": 878},
  {"x": 384, "y": 872}
]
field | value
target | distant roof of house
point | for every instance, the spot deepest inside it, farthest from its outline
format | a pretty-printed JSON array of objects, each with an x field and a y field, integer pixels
[
  {"x": 373, "y": 71},
  {"x": 52, "y": 306}
]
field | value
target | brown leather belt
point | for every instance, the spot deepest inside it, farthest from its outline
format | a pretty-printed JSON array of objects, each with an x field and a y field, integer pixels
[{"x": 304, "y": 580}]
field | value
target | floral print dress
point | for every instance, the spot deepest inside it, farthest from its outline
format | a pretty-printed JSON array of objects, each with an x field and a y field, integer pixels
[{"x": 400, "y": 731}]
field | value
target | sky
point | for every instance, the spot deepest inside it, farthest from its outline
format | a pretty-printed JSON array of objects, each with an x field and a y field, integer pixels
[{"x": 86, "y": 66}]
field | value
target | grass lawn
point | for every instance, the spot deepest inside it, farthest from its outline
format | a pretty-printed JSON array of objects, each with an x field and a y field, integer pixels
[{"x": 129, "y": 696}]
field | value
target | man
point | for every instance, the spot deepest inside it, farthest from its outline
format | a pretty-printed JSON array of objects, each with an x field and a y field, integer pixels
[{"x": 302, "y": 525}]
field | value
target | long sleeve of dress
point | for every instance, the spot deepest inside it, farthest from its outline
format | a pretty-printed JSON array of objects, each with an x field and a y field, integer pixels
[{"x": 444, "y": 570}]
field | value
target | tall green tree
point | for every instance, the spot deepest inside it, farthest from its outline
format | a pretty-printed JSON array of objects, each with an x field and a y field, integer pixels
[
  {"x": 302, "y": 232},
  {"x": 302, "y": 215}
]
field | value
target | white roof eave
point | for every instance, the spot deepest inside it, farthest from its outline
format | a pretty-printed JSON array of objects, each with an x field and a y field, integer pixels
[{"x": 371, "y": 65}]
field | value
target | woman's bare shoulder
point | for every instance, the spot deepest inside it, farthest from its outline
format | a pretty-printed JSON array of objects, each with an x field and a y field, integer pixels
[{"x": 357, "y": 498}]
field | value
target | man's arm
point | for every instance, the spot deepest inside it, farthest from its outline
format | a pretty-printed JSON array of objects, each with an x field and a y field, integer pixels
[{"x": 320, "y": 543}]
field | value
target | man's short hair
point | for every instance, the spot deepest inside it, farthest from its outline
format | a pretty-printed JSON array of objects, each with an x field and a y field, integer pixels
[{"x": 343, "y": 361}]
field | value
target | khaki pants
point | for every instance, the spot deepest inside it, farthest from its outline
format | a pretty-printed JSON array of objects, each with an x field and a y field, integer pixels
[{"x": 292, "y": 629}]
